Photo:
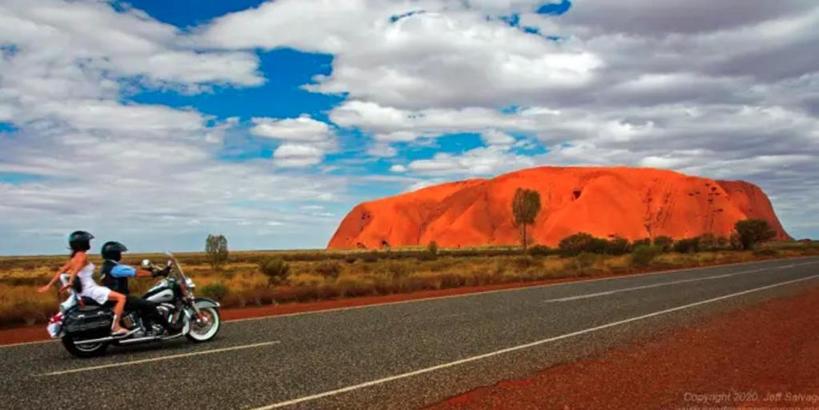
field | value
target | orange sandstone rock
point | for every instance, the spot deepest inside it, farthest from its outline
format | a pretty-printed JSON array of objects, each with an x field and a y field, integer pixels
[{"x": 632, "y": 203}]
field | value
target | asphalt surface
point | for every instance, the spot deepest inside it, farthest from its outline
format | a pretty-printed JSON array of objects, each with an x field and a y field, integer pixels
[{"x": 401, "y": 355}]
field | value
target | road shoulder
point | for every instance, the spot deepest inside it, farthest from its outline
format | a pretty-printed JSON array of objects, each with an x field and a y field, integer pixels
[{"x": 765, "y": 355}]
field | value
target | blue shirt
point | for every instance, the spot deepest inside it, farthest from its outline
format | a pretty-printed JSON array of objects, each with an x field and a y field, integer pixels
[{"x": 123, "y": 271}]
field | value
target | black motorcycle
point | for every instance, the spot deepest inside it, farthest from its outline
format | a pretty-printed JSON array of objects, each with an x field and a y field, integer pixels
[{"x": 85, "y": 327}]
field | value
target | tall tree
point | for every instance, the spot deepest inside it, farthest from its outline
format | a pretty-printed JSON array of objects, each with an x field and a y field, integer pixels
[
  {"x": 753, "y": 231},
  {"x": 216, "y": 246},
  {"x": 525, "y": 208}
]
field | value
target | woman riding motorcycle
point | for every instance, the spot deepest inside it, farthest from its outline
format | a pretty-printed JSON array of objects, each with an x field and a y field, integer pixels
[{"x": 78, "y": 266}]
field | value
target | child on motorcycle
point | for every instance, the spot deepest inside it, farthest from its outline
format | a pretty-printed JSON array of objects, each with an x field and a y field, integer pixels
[{"x": 115, "y": 276}]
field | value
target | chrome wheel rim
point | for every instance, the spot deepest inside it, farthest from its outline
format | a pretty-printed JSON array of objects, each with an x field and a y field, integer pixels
[{"x": 207, "y": 327}]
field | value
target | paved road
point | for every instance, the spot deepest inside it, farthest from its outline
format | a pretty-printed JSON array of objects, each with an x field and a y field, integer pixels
[{"x": 391, "y": 356}]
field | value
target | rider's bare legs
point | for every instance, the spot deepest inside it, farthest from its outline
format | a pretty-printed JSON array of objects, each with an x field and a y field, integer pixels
[{"x": 119, "y": 298}]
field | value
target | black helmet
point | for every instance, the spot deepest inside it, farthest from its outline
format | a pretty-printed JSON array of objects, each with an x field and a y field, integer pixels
[
  {"x": 80, "y": 241},
  {"x": 113, "y": 250}
]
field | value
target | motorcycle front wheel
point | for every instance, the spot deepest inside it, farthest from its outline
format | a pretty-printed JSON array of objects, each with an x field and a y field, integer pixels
[
  {"x": 205, "y": 329},
  {"x": 83, "y": 350}
]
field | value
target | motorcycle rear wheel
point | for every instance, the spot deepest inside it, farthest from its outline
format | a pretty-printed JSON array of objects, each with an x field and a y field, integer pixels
[{"x": 84, "y": 350}]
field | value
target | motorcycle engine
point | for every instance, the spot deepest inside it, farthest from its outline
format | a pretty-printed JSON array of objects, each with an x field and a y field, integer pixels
[
  {"x": 165, "y": 310},
  {"x": 129, "y": 320}
]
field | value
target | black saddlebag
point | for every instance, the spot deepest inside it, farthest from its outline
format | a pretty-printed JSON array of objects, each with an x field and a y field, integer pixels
[{"x": 88, "y": 319}]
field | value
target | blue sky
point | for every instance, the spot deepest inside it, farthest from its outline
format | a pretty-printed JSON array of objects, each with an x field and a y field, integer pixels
[{"x": 156, "y": 123}]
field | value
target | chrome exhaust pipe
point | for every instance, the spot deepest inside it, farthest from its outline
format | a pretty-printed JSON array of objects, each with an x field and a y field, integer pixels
[
  {"x": 90, "y": 341},
  {"x": 172, "y": 336},
  {"x": 137, "y": 340}
]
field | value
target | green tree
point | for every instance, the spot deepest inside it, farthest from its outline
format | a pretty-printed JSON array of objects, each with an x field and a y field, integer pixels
[
  {"x": 525, "y": 207},
  {"x": 753, "y": 231},
  {"x": 432, "y": 249},
  {"x": 216, "y": 247}
]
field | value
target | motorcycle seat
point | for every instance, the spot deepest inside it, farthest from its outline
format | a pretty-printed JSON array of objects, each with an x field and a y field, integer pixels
[
  {"x": 88, "y": 308},
  {"x": 91, "y": 303}
]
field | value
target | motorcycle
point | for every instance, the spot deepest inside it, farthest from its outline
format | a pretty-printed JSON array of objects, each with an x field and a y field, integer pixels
[{"x": 85, "y": 327}]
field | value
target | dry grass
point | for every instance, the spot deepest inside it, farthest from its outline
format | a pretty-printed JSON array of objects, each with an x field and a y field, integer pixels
[{"x": 316, "y": 275}]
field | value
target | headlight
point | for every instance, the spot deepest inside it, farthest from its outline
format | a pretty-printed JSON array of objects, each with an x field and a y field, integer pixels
[{"x": 189, "y": 283}]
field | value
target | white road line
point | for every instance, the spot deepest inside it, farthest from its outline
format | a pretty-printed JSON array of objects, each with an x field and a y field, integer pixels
[
  {"x": 657, "y": 285},
  {"x": 518, "y": 289},
  {"x": 524, "y": 346},
  {"x": 36, "y": 342},
  {"x": 157, "y": 359}
]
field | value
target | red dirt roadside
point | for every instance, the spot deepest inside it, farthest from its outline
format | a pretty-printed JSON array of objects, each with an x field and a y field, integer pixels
[{"x": 765, "y": 356}]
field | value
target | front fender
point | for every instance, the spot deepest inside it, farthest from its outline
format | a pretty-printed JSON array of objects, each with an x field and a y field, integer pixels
[{"x": 202, "y": 303}]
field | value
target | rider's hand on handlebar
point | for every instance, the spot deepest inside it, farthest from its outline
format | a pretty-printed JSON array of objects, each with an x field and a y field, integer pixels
[{"x": 162, "y": 272}]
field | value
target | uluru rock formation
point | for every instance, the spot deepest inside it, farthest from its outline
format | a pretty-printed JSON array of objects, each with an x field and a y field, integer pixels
[{"x": 633, "y": 203}]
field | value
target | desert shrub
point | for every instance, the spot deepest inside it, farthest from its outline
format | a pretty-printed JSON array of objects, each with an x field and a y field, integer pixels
[
  {"x": 766, "y": 252},
  {"x": 524, "y": 262},
  {"x": 540, "y": 250},
  {"x": 22, "y": 304},
  {"x": 618, "y": 264},
  {"x": 723, "y": 243},
  {"x": 397, "y": 269},
  {"x": 329, "y": 269},
  {"x": 216, "y": 248},
  {"x": 369, "y": 257},
  {"x": 243, "y": 297},
  {"x": 617, "y": 246},
  {"x": 735, "y": 242},
  {"x": 414, "y": 284},
  {"x": 305, "y": 279},
  {"x": 638, "y": 242},
  {"x": 688, "y": 245},
  {"x": 350, "y": 286},
  {"x": 35, "y": 310},
  {"x": 284, "y": 294},
  {"x": 665, "y": 243},
  {"x": 643, "y": 255},
  {"x": 708, "y": 242},
  {"x": 441, "y": 264},
  {"x": 581, "y": 242},
  {"x": 451, "y": 280},
  {"x": 753, "y": 231},
  {"x": 215, "y": 290},
  {"x": 426, "y": 257},
  {"x": 584, "y": 261},
  {"x": 276, "y": 270}
]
